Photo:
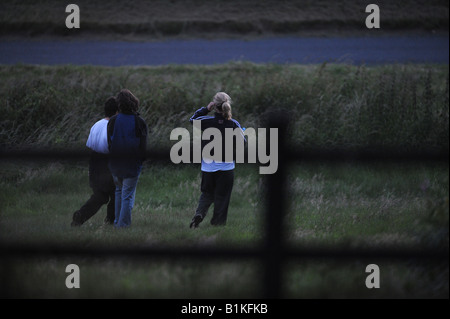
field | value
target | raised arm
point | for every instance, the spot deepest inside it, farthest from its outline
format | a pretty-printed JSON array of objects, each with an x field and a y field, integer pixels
[
  {"x": 203, "y": 111},
  {"x": 110, "y": 130}
]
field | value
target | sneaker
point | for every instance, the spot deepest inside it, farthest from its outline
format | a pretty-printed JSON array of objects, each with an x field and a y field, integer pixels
[
  {"x": 76, "y": 219},
  {"x": 108, "y": 221},
  {"x": 74, "y": 223},
  {"x": 196, "y": 221}
]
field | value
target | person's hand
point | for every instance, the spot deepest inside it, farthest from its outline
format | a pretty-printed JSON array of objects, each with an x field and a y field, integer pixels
[{"x": 210, "y": 106}]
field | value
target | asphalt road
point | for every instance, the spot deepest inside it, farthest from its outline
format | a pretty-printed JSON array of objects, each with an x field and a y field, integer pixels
[{"x": 369, "y": 51}]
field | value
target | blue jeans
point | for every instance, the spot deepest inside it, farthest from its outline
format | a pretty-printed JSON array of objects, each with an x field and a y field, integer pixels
[{"x": 125, "y": 193}]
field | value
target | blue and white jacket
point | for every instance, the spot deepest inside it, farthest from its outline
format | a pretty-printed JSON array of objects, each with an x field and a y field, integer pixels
[{"x": 219, "y": 122}]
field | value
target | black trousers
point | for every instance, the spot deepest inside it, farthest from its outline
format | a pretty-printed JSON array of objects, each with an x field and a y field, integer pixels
[
  {"x": 103, "y": 188},
  {"x": 94, "y": 203},
  {"x": 216, "y": 188}
]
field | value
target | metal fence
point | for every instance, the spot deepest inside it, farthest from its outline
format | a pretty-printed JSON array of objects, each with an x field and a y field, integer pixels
[{"x": 273, "y": 252}]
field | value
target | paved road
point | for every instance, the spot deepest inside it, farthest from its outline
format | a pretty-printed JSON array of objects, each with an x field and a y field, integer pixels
[{"x": 373, "y": 50}]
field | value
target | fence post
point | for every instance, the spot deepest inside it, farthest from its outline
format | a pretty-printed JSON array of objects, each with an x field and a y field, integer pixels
[{"x": 275, "y": 187}]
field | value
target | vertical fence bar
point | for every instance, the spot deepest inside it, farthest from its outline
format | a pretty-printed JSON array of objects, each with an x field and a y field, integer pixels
[{"x": 276, "y": 185}]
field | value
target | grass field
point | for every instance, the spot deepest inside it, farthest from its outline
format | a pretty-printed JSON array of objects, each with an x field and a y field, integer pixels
[
  {"x": 161, "y": 19},
  {"x": 346, "y": 204}
]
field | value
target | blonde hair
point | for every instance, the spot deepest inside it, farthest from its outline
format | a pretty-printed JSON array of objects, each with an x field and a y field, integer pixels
[{"x": 222, "y": 103}]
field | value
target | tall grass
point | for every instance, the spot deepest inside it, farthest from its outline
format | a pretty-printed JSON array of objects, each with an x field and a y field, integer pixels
[{"x": 402, "y": 106}]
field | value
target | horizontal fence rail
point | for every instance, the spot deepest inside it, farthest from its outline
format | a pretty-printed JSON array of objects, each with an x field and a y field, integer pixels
[
  {"x": 294, "y": 155},
  {"x": 217, "y": 253}
]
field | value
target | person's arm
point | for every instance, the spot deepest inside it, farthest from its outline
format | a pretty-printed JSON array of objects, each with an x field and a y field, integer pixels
[
  {"x": 201, "y": 112},
  {"x": 241, "y": 130},
  {"x": 110, "y": 130},
  {"x": 143, "y": 139},
  {"x": 89, "y": 142}
]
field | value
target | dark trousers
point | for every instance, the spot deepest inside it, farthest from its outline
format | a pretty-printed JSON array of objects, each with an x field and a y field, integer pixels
[
  {"x": 94, "y": 203},
  {"x": 216, "y": 188},
  {"x": 103, "y": 187}
]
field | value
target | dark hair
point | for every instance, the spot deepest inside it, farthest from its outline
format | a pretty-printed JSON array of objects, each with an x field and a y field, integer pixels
[
  {"x": 128, "y": 103},
  {"x": 111, "y": 106}
]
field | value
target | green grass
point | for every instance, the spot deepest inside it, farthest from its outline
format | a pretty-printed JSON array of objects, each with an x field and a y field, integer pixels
[
  {"x": 326, "y": 203},
  {"x": 170, "y": 199},
  {"x": 347, "y": 206}
]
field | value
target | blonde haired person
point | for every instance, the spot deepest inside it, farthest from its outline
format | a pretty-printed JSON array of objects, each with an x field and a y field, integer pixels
[
  {"x": 217, "y": 176},
  {"x": 222, "y": 103}
]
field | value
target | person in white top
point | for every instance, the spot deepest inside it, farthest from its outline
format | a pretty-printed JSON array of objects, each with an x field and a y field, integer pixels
[
  {"x": 100, "y": 178},
  {"x": 97, "y": 140}
]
